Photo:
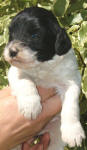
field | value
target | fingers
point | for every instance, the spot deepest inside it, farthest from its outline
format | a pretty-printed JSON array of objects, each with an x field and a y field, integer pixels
[
  {"x": 5, "y": 92},
  {"x": 46, "y": 93},
  {"x": 44, "y": 142},
  {"x": 36, "y": 147}
]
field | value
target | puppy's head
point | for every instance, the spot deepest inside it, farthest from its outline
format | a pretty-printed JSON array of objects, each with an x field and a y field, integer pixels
[{"x": 35, "y": 36}]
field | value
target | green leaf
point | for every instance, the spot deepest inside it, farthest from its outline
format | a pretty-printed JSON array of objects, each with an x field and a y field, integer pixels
[
  {"x": 77, "y": 18},
  {"x": 60, "y": 7},
  {"x": 73, "y": 28},
  {"x": 85, "y": 5},
  {"x": 75, "y": 6},
  {"x": 83, "y": 105},
  {"x": 84, "y": 83},
  {"x": 82, "y": 34}
]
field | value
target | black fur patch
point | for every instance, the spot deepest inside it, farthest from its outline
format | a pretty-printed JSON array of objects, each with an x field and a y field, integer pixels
[
  {"x": 38, "y": 29},
  {"x": 63, "y": 43}
]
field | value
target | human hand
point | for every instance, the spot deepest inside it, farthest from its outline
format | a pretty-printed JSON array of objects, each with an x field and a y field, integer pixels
[
  {"x": 43, "y": 144},
  {"x": 15, "y": 128}
]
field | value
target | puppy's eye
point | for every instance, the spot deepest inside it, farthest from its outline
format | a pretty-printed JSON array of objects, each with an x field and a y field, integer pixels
[{"x": 34, "y": 35}]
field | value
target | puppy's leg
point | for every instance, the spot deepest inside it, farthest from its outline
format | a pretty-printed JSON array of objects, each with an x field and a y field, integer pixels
[
  {"x": 71, "y": 129},
  {"x": 26, "y": 92},
  {"x": 56, "y": 143}
]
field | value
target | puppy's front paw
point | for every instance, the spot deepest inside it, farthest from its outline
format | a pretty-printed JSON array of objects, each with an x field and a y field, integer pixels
[
  {"x": 72, "y": 134},
  {"x": 30, "y": 106}
]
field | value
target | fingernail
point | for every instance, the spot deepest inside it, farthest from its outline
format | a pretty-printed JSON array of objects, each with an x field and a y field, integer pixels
[
  {"x": 30, "y": 141},
  {"x": 41, "y": 147}
]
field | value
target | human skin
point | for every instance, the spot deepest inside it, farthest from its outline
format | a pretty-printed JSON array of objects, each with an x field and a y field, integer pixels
[
  {"x": 14, "y": 128},
  {"x": 42, "y": 145}
]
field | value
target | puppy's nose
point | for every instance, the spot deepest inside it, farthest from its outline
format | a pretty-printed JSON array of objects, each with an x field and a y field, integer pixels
[{"x": 13, "y": 53}]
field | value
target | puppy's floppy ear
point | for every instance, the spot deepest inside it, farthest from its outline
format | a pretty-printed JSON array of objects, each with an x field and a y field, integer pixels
[{"x": 63, "y": 43}]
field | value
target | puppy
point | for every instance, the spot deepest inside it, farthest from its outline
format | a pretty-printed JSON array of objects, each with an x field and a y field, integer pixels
[{"x": 41, "y": 53}]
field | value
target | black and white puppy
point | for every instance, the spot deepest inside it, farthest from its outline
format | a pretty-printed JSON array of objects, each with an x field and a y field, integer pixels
[{"x": 40, "y": 53}]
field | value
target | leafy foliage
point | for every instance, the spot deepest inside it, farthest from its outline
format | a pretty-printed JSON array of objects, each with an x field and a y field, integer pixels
[{"x": 72, "y": 15}]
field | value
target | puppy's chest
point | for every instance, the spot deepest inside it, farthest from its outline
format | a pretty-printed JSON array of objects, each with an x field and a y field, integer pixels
[
  {"x": 44, "y": 75},
  {"x": 54, "y": 72}
]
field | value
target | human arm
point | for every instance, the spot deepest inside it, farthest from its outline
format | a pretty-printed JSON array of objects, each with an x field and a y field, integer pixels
[{"x": 15, "y": 128}]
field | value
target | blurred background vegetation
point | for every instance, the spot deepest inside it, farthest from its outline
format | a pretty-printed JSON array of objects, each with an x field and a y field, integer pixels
[{"x": 72, "y": 15}]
